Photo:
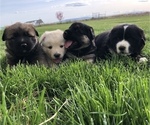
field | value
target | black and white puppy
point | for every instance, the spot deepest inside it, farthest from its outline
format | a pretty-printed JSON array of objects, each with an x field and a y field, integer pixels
[
  {"x": 80, "y": 39},
  {"x": 125, "y": 39}
]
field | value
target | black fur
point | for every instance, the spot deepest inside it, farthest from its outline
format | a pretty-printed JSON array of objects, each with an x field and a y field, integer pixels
[
  {"x": 82, "y": 37},
  {"x": 106, "y": 42},
  {"x": 22, "y": 44}
]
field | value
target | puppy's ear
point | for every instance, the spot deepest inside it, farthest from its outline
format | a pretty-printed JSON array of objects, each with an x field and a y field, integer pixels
[
  {"x": 36, "y": 32},
  {"x": 42, "y": 38},
  {"x": 143, "y": 38},
  {"x": 142, "y": 35},
  {"x": 91, "y": 33}
]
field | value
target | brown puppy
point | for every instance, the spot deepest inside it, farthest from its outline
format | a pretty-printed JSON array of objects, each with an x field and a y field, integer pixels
[{"x": 22, "y": 45}]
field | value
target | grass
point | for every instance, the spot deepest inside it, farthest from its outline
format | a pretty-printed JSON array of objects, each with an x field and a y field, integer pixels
[{"x": 109, "y": 92}]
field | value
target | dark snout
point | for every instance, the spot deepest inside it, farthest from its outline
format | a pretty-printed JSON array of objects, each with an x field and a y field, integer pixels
[
  {"x": 122, "y": 48},
  {"x": 24, "y": 45},
  {"x": 67, "y": 34}
]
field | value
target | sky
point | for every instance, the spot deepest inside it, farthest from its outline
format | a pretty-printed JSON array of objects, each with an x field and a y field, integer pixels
[{"x": 12, "y": 11}]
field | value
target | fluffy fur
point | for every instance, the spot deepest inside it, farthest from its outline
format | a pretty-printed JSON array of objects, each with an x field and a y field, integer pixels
[
  {"x": 80, "y": 42},
  {"x": 53, "y": 45},
  {"x": 126, "y": 40},
  {"x": 22, "y": 45}
]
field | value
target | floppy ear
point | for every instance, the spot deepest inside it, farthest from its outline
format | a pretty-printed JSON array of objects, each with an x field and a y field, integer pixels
[
  {"x": 142, "y": 35},
  {"x": 91, "y": 33},
  {"x": 143, "y": 38},
  {"x": 42, "y": 38},
  {"x": 36, "y": 32}
]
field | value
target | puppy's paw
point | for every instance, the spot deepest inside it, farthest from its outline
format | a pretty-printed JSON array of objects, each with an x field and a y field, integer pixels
[
  {"x": 90, "y": 61},
  {"x": 143, "y": 60}
]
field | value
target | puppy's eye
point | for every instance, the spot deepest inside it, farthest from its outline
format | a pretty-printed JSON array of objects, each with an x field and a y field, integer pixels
[
  {"x": 30, "y": 35},
  {"x": 61, "y": 46},
  {"x": 50, "y": 47}
]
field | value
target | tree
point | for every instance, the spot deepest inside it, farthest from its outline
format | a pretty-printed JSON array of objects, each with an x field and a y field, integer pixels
[{"x": 59, "y": 16}]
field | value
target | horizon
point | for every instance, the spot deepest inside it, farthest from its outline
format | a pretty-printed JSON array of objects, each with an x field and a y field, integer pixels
[{"x": 23, "y": 11}]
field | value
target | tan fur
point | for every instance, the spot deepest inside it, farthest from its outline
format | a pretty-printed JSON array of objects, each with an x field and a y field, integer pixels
[
  {"x": 15, "y": 36},
  {"x": 9, "y": 30}
]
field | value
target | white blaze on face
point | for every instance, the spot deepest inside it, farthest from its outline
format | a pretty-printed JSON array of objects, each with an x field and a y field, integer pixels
[
  {"x": 123, "y": 47},
  {"x": 125, "y": 27}
]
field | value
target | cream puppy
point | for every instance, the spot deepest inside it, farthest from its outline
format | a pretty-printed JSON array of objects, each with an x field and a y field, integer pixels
[{"x": 53, "y": 45}]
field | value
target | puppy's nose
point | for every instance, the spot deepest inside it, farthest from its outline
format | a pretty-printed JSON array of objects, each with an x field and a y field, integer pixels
[
  {"x": 122, "y": 48},
  {"x": 23, "y": 45},
  {"x": 65, "y": 33},
  {"x": 56, "y": 55}
]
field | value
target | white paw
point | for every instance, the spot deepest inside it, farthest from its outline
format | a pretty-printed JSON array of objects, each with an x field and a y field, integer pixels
[
  {"x": 143, "y": 59},
  {"x": 89, "y": 60}
]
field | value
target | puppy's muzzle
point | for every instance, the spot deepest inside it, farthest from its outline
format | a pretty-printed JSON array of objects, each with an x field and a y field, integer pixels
[{"x": 67, "y": 34}]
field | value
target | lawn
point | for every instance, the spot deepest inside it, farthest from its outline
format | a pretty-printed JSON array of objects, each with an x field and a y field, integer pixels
[{"x": 109, "y": 92}]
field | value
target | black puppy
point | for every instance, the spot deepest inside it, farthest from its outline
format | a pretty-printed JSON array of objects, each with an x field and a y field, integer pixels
[
  {"x": 22, "y": 45},
  {"x": 80, "y": 42},
  {"x": 126, "y": 39}
]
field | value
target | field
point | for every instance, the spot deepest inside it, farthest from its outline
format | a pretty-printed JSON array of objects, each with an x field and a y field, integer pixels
[{"x": 109, "y": 92}]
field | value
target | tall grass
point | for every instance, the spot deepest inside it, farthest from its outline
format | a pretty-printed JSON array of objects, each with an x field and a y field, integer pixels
[{"x": 109, "y": 92}]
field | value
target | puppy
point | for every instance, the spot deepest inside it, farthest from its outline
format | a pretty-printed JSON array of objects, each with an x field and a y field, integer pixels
[
  {"x": 125, "y": 39},
  {"x": 22, "y": 45},
  {"x": 80, "y": 44},
  {"x": 53, "y": 45}
]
